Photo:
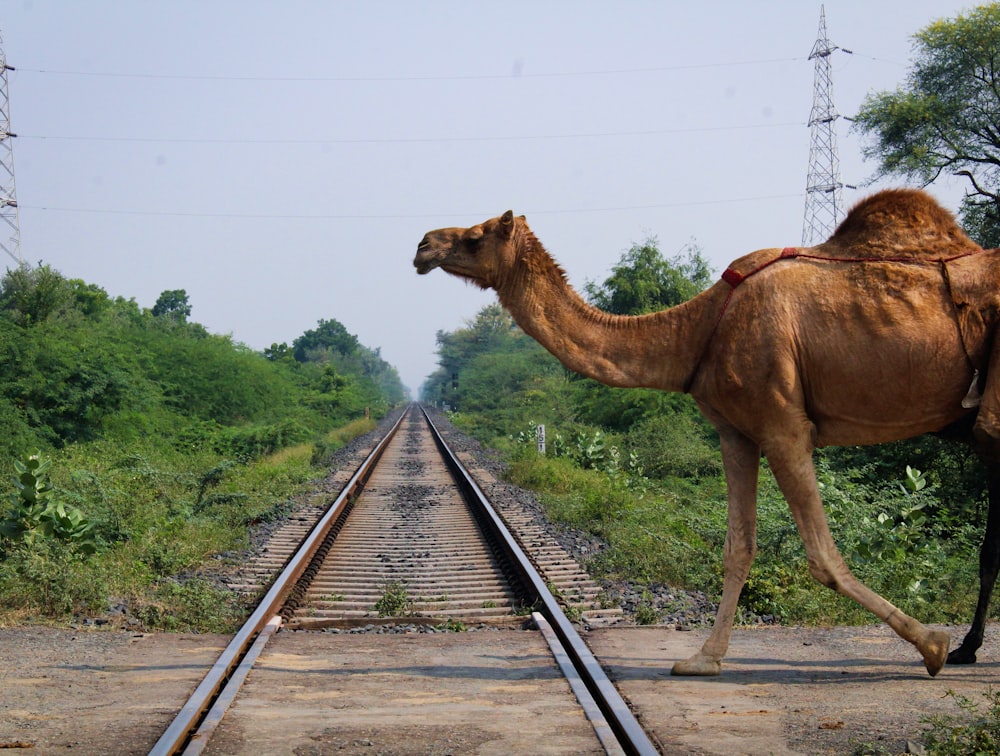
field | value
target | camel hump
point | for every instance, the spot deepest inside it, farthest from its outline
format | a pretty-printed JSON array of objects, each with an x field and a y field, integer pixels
[{"x": 898, "y": 223}]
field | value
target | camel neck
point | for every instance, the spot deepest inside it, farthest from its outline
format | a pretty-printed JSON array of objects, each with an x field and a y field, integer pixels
[{"x": 658, "y": 350}]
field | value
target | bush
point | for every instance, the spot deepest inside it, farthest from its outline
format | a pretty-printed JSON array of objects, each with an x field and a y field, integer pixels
[
  {"x": 674, "y": 445},
  {"x": 44, "y": 578},
  {"x": 194, "y": 605},
  {"x": 973, "y": 732},
  {"x": 37, "y": 511}
]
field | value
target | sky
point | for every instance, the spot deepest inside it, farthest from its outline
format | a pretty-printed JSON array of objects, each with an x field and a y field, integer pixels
[{"x": 280, "y": 160}]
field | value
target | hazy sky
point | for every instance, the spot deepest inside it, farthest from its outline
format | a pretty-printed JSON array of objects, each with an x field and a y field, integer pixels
[{"x": 281, "y": 160}]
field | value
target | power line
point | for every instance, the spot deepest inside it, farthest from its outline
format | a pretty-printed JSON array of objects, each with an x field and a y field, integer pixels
[
  {"x": 402, "y": 216},
  {"x": 406, "y": 140},
  {"x": 446, "y": 77}
]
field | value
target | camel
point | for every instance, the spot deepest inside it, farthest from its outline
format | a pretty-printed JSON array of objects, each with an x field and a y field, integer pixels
[{"x": 882, "y": 332}]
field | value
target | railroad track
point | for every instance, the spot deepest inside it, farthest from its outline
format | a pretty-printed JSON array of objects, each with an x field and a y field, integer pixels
[{"x": 412, "y": 540}]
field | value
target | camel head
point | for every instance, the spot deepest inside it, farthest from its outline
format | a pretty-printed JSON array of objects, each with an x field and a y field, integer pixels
[{"x": 480, "y": 254}]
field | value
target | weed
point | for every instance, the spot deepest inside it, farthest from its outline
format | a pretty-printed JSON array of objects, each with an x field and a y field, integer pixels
[
  {"x": 194, "y": 605},
  {"x": 395, "y": 600},
  {"x": 975, "y": 731},
  {"x": 37, "y": 511},
  {"x": 645, "y": 612}
]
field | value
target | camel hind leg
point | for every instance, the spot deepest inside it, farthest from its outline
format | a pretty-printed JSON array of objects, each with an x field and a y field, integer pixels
[
  {"x": 796, "y": 476},
  {"x": 989, "y": 566}
]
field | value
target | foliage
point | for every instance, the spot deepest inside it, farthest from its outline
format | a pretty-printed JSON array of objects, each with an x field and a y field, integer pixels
[
  {"x": 644, "y": 281},
  {"x": 678, "y": 445},
  {"x": 172, "y": 440},
  {"x": 44, "y": 578},
  {"x": 944, "y": 118},
  {"x": 38, "y": 511},
  {"x": 194, "y": 605},
  {"x": 343, "y": 370},
  {"x": 395, "y": 600},
  {"x": 172, "y": 304},
  {"x": 328, "y": 335},
  {"x": 28, "y": 296},
  {"x": 973, "y": 732}
]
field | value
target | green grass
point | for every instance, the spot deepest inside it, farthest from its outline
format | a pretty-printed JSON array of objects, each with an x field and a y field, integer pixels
[{"x": 163, "y": 519}]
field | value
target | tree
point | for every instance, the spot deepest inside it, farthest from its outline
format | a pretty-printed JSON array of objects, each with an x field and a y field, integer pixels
[
  {"x": 277, "y": 352},
  {"x": 945, "y": 119},
  {"x": 645, "y": 281},
  {"x": 173, "y": 304},
  {"x": 31, "y": 295},
  {"x": 328, "y": 335}
]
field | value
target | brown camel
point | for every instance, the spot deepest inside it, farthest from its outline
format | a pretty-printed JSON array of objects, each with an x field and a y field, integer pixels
[{"x": 881, "y": 333}]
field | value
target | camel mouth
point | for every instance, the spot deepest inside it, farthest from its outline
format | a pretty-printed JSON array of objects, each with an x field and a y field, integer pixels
[{"x": 426, "y": 260}]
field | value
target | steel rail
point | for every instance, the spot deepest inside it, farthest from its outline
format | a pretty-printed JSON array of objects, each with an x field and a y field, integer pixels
[
  {"x": 619, "y": 717},
  {"x": 194, "y": 710}
]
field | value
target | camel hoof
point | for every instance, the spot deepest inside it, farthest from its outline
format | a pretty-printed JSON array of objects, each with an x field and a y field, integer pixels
[
  {"x": 962, "y": 656},
  {"x": 698, "y": 665},
  {"x": 935, "y": 651}
]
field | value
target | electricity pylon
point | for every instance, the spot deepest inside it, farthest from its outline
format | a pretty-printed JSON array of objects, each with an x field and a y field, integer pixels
[{"x": 824, "y": 192}]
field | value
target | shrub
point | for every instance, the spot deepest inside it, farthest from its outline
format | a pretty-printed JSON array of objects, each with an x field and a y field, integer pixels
[
  {"x": 194, "y": 605},
  {"x": 973, "y": 732},
  {"x": 674, "y": 445},
  {"x": 38, "y": 512}
]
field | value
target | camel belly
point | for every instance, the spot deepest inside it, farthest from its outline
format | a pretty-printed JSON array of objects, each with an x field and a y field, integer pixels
[{"x": 884, "y": 383}]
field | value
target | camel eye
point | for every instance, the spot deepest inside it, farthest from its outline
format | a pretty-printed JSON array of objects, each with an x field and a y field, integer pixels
[{"x": 474, "y": 236}]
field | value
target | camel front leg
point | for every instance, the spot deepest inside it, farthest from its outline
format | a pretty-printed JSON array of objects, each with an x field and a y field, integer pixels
[
  {"x": 796, "y": 476},
  {"x": 741, "y": 461}
]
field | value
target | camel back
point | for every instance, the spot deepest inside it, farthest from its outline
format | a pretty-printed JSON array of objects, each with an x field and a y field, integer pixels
[{"x": 898, "y": 224}]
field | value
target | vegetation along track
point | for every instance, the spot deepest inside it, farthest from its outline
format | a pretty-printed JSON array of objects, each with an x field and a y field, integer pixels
[{"x": 412, "y": 540}]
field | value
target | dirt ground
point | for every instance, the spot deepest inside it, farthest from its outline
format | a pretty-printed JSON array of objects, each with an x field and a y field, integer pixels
[{"x": 782, "y": 691}]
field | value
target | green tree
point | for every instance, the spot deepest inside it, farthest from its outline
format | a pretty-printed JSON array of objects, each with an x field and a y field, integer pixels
[
  {"x": 945, "y": 118},
  {"x": 327, "y": 336},
  {"x": 277, "y": 352},
  {"x": 30, "y": 295},
  {"x": 642, "y": 281},
  {"x": 645, "y": 281},
  {"x": 492, "y": 330},
  {"x": 173, "y": 304}
]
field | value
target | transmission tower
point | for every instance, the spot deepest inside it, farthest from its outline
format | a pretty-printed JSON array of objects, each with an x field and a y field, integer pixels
[
  {"x": 8, "y": 196},
  {"x": 824, "y": 195}
]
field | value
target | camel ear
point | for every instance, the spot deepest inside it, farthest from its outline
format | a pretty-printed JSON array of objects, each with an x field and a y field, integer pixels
[{"x": 507, "y": 223}]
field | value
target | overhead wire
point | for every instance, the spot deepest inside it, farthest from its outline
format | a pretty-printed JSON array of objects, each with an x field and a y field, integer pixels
[
  {"x": 396, "y": 140},
  {"x": 407, "y": 140},
  {"x": 409, "y": 78},
  {"x": 404, "y": 216}
]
